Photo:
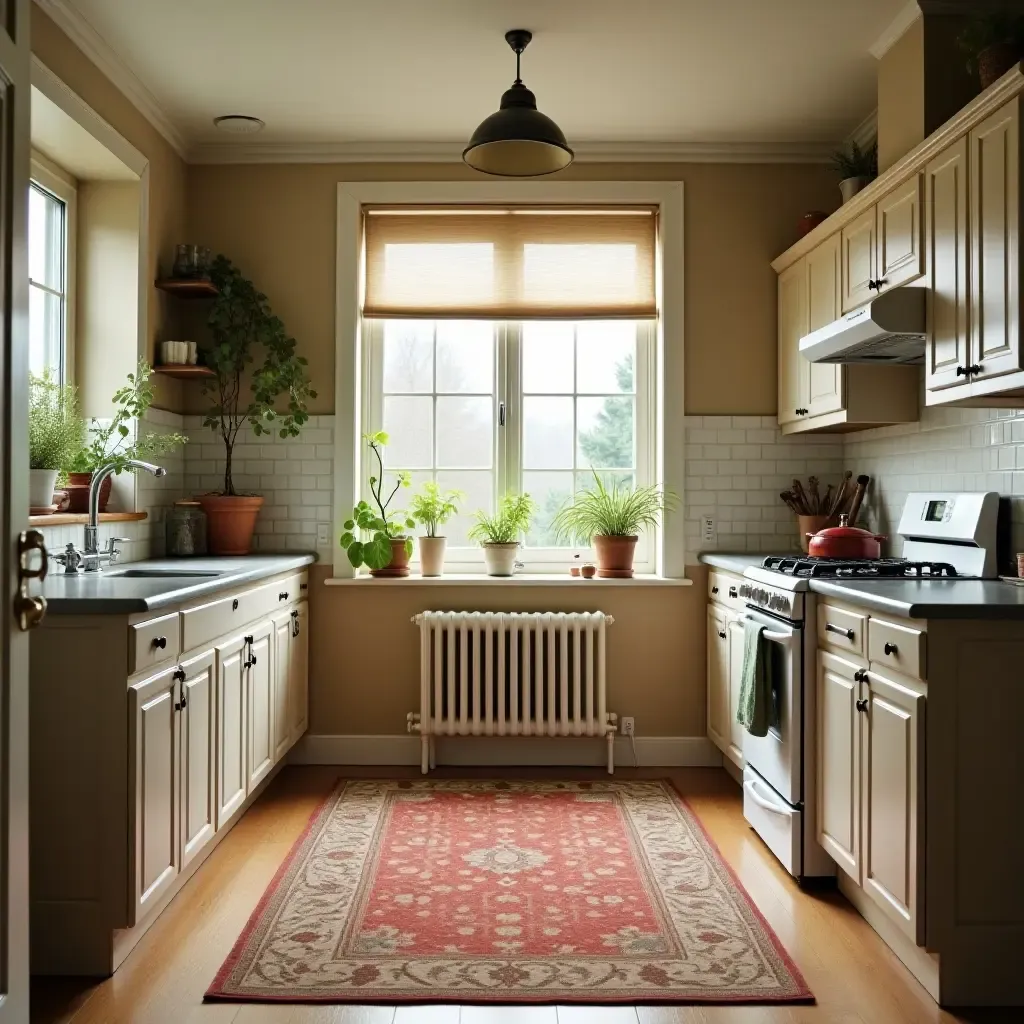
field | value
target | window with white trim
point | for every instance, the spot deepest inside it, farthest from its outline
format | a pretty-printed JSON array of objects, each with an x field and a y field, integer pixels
[{"x": 537, "y": 402}]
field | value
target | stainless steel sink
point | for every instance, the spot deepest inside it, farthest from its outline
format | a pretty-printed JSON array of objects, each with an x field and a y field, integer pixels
[{"x": 160, "y": 574}]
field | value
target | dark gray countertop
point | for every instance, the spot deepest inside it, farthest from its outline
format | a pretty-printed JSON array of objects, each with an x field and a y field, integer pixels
[
  {"x": 107, "y": 593},
  {"x": 930, "y": 599}
]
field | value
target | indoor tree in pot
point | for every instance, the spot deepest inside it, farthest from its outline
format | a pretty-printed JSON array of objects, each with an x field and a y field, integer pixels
[
  {"x": 611, "y": 518},
  {"x": 499, "y": 534},
  {"x": 246, "y": 390},
  {"x": 856, "y": 167},
  {"x": 433, "y": 508},
  {"x": 994, "y": 43},
  {"x": 375, "y": 535},
  {"x": 55, "y": 432}
]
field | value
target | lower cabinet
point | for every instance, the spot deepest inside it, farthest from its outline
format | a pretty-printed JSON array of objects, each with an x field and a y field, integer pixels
[
  {"x": 232, "y": 734},
  {"x": 259, "y": 674},
  {"x": 198, "y": 717},
  {"x": 736, "y": 731},
  {"x": 724, "y": 666},
  {"x": 290, "y": 676}
]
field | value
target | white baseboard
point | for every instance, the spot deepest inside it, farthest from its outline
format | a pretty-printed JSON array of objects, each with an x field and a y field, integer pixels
[{"x": 651, "y": 751}]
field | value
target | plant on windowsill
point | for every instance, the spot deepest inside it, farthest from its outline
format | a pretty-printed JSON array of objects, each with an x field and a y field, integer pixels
[
  {"x": 500, "y": 534},
  {"x": 119, "y": 441},
  {"x": 256, "y": 371},
  {"x": 856, "y": 168},
  {"x": 611, "y": 518},
  {"x": 374, "y": 536},
  {"x": 993, "y": 42},
  {"x": 55, "y": 432},
  {"x": 433, "y": 508}
]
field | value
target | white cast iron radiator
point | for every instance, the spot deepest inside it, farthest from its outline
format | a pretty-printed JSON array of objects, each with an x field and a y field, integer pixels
[{"x": 512, "y": 674}]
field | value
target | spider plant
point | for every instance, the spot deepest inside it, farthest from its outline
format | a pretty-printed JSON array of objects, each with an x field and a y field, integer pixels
[
  {"x": 508, "y": 524},
  {"x": 615, "y": 510}
]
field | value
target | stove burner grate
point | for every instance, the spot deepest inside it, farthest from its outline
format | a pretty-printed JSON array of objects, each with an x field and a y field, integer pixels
[{"x": 865, "y": 568}]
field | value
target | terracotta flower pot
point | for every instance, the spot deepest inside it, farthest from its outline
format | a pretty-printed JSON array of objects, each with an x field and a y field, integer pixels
[
  {"x": 432, "y": 555},
  {"x": 399, "y": 564},
  {"x": 78, "y": 492},
  {"x": 994, "y": 61},
  {"x": 230, "y": 522},
  {"x": 810, "y": 525},
  {"x": 614, "y": 556}
]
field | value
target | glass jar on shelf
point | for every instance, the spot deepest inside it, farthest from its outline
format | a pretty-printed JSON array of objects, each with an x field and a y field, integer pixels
[{"x": 185, "y": 530}]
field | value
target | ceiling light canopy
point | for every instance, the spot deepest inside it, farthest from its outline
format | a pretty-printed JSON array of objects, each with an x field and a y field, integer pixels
[
  {"x": 238, "y": 124},
  {"x": 517, "y": 140}
]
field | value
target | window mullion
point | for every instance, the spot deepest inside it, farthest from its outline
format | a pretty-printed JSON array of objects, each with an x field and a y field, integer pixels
[{"x": 512, "y": 476}]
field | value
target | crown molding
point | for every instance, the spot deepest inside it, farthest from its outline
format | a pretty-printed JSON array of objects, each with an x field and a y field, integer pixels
[
  {"x": 866, "y": 133},
  {"x": 451, "y": 152},
  {"x": 71, "y": 22},
  {"x": 908, "y": 14}
]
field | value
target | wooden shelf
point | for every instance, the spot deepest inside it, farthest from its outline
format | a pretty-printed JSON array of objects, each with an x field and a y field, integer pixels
[
  {"x": 184, "y": 371},
  {"x": 188, "y": 287},
  {"x": 82, "y": 519}
]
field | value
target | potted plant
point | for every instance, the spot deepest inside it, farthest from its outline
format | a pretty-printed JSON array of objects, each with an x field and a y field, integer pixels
[
  {"x": 55, "y": 432},
  {"x": 993, "y": 42},
  {"x": 433, "y": 508},
  {"x": 610, "y": 518},
  {"x": 118, "y": 441},
  {"x": 856, "y": 168},
  {"x": 245, "y": 389},
  {"x": 375, "y": 535},
  {"x": 499, "y": 534}
]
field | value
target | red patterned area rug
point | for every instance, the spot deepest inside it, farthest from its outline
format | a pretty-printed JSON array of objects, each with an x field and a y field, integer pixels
[{"x": 439, "y": 891}]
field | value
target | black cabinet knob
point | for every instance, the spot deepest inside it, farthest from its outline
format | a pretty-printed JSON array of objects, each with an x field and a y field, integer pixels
[
  {"x": 283, "y": 596},
  {"x": 862, "y": 705},
  {"x": 963, "y": 371},
  {"x": 234, "y": 605},
  {"x": 890, "y": 649},
  {"x": 179, "y": 675},
  {"x": 160, "y": 642},
  {"x": 860, "y": 676},
  {"x": 721, "y": 635},
  {"x": 974, "y": 369}
]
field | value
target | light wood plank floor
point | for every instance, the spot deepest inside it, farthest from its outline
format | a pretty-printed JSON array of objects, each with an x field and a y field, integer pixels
[{"x": 854, "y": 976}]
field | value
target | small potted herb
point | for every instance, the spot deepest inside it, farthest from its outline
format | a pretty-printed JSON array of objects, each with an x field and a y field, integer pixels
[
  {"x": 433, "y": 508},
  {"x": 375, "y": 535},
  {"x": 499, "y": 534},
  {"x": 856, "y": 168},
  {"x": 55, "y": 432},
  {"x": 994, "y": 43},
  {"x": 611, "y": 518}
]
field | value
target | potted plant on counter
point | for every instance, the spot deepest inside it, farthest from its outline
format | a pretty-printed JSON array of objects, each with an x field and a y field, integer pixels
[
  {"x": 258, "y": 380},
  {"x": 375, "y": 535},
  {"x": 500, "y": 534},
  {"x": 55, "y": 432},
  {"x": 433, "y": 508},
  {"x": 993, "y": 42},
  {"x": 856, "y": 168},
  {"x": 611, "y": 518},
  {"x": 119, "y": 440}
]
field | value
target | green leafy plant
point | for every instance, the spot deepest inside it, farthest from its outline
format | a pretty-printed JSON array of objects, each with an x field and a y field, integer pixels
[
  {"x": 243, "y": 391},
  {"x": 115, "y": 441},
  {"x": 618, "y": 510},
  {"x": 508, "y": 524},
  {"x": 368, "y": 534},
  {"x": 432, "y": 508},
  {"x": 996, "y": 28},
  {"x": 856, "y": 162},
  {"x": 55, "y": 430}
]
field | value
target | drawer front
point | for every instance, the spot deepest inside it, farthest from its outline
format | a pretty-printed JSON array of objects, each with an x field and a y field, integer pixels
[
  {"x": 153, "y": 642},
  {"x": 897, "y": 647},
  {"x": 840, "y": 628},
  {"x": 725, "y": 589},
  {"x": 269, "y": 597},
  {"x": 208, "y": 621}
]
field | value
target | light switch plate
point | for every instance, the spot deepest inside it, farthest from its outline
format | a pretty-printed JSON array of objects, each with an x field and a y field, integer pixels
[
  {"x": 323, "y": 534},
  {"x": 708, "y": 531}
]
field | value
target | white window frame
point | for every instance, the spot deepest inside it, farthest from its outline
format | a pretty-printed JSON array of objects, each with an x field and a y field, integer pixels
[
  {"x": 666, "y": 416},
  {"x": 61, "y": 186},
  {"x": 507, "y": 450}
]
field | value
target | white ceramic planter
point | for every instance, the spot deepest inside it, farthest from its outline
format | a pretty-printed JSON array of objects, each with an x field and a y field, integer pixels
[
  {"x": 851, "y": 186},
  {"x": 501, "y": 559},
  {"x": 41, "y": 483},
  {"x": 432, "y": 555}
]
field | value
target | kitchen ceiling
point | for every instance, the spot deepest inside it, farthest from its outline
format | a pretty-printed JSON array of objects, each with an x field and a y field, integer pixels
[{"x": 411, "y": 71}]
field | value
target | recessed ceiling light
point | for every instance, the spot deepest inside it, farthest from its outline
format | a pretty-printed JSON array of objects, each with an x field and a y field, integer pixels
[{"x": 238, "y": 124}]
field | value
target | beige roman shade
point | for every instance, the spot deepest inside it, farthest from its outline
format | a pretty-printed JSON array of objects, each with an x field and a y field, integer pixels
[{"x": 522, "y": 263}]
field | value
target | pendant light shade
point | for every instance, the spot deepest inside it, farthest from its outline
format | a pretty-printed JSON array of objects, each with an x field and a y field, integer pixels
[{"x": 517, "y": 140}]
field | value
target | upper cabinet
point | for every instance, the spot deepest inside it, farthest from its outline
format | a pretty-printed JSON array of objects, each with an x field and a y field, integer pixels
[
  {"x": 859, "y": 260},
  {"x": 900, "y": 239}
]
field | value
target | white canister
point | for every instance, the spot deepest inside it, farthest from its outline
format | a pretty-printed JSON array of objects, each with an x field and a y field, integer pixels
[
  {"x": 168, "y": 351},
  {"x": 192, "y": 353}
]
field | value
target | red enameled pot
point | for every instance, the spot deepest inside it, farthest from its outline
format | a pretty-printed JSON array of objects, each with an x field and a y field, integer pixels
[{"x": 844, "y": 541}]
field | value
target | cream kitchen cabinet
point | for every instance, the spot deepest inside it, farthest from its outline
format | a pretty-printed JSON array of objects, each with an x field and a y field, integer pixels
[
  {"x": 718, "y": 677},
  {"x": 724, "y": 665},
  {"x": 169, "y": 745},
  {"x": 859, "y": 259}
]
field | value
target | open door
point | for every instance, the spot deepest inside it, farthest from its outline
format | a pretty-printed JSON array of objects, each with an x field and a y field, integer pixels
[{"x": 20, "y": 610}]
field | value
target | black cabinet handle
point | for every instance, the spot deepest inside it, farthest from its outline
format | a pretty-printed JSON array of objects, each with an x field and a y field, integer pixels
[
  {"x": 283, "y": 596},
  {"x": 831, "y": 628},
  {"x": 714, "y": 590},
  {"x": 801, "y": 412},
  {"x": 303, "y": 586},
  {"x": 160, "y": 642},
  {"x": 234, "y": 605},
  {"x": 250, "y": 662},
  {"x": 248, "y": 639},
  {"x": 179, "y": 675},
  {"x": 721, "y": 635},
  {"x": 891, "y": 649},
  {"x": 963, "y": 371},
  {"x": 295, "y": 623},
  {"x": 974, "y": 369},
  {"x": 862, "y": 705},
  {"x": 860, "y": 676}
]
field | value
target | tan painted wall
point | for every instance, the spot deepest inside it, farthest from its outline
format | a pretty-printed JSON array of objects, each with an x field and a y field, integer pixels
[
  {"x": 277, "y": 222},
  {"x": 166, "y": 169},
  {"x": 901, "y": 97},
  {"x": 364, "y": 656}
]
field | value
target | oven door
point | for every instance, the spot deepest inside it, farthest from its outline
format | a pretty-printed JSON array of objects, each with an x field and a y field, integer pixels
[{"x": 777, "y": 757}]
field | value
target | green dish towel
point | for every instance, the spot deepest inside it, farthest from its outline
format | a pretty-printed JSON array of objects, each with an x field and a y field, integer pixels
[{"x": 755, "y": 682}]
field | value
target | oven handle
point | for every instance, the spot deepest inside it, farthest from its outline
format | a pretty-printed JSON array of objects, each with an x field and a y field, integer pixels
[
  {"x": 786, "y": 639},
  {"x": 751, "y": 787}
]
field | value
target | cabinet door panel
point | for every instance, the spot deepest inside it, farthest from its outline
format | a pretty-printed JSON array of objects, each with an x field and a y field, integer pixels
[
  {"x": 282, "y": 683},
  {"x": 823, "y": 381},
  {"x": 718, "y": 678},
  {"x": 155, "y": 748},
  {"x": 858, "y": 260},
  {"x": 892, "y": 768},
  {"x": 792, "y": 327},
  {"x": 948, "y": 242},
  {"x": 259, "y": 680},
  {"x": 198, "y": 756},
  {"x": 838, "y": 762},
  {"x": 298, "y": 675},
  {"x": 995, "y": 228},
  {"x": 736, "y": 731},
  {"x": 900, "y": 247},
  {"x": 231, "y": 728}
]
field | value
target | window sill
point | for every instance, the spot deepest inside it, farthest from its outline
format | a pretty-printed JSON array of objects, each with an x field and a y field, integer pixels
[
  {"x": 521, "y": 580},
  {"x": 82, "y": 519}
]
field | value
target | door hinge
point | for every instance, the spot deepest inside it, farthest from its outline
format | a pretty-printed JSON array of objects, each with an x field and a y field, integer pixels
[{"x": 30, "y": 609}]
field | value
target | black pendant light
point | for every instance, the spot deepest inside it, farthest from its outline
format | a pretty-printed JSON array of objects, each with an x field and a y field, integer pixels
[{"x": 517, "y": 140}]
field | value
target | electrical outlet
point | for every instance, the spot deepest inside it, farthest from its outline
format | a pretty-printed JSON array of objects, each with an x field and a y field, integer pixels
[
  {"x": 628, "y": 726},
  {"x": 323, "y": 534},
  {"x": 708, "y": 530}
]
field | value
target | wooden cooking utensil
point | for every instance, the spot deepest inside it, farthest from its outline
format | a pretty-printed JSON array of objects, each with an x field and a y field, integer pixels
[{"x": 858, "y": 497}]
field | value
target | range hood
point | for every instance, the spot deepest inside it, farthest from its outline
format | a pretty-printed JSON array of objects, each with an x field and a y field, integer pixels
[{"x": 889, "y": 329}]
